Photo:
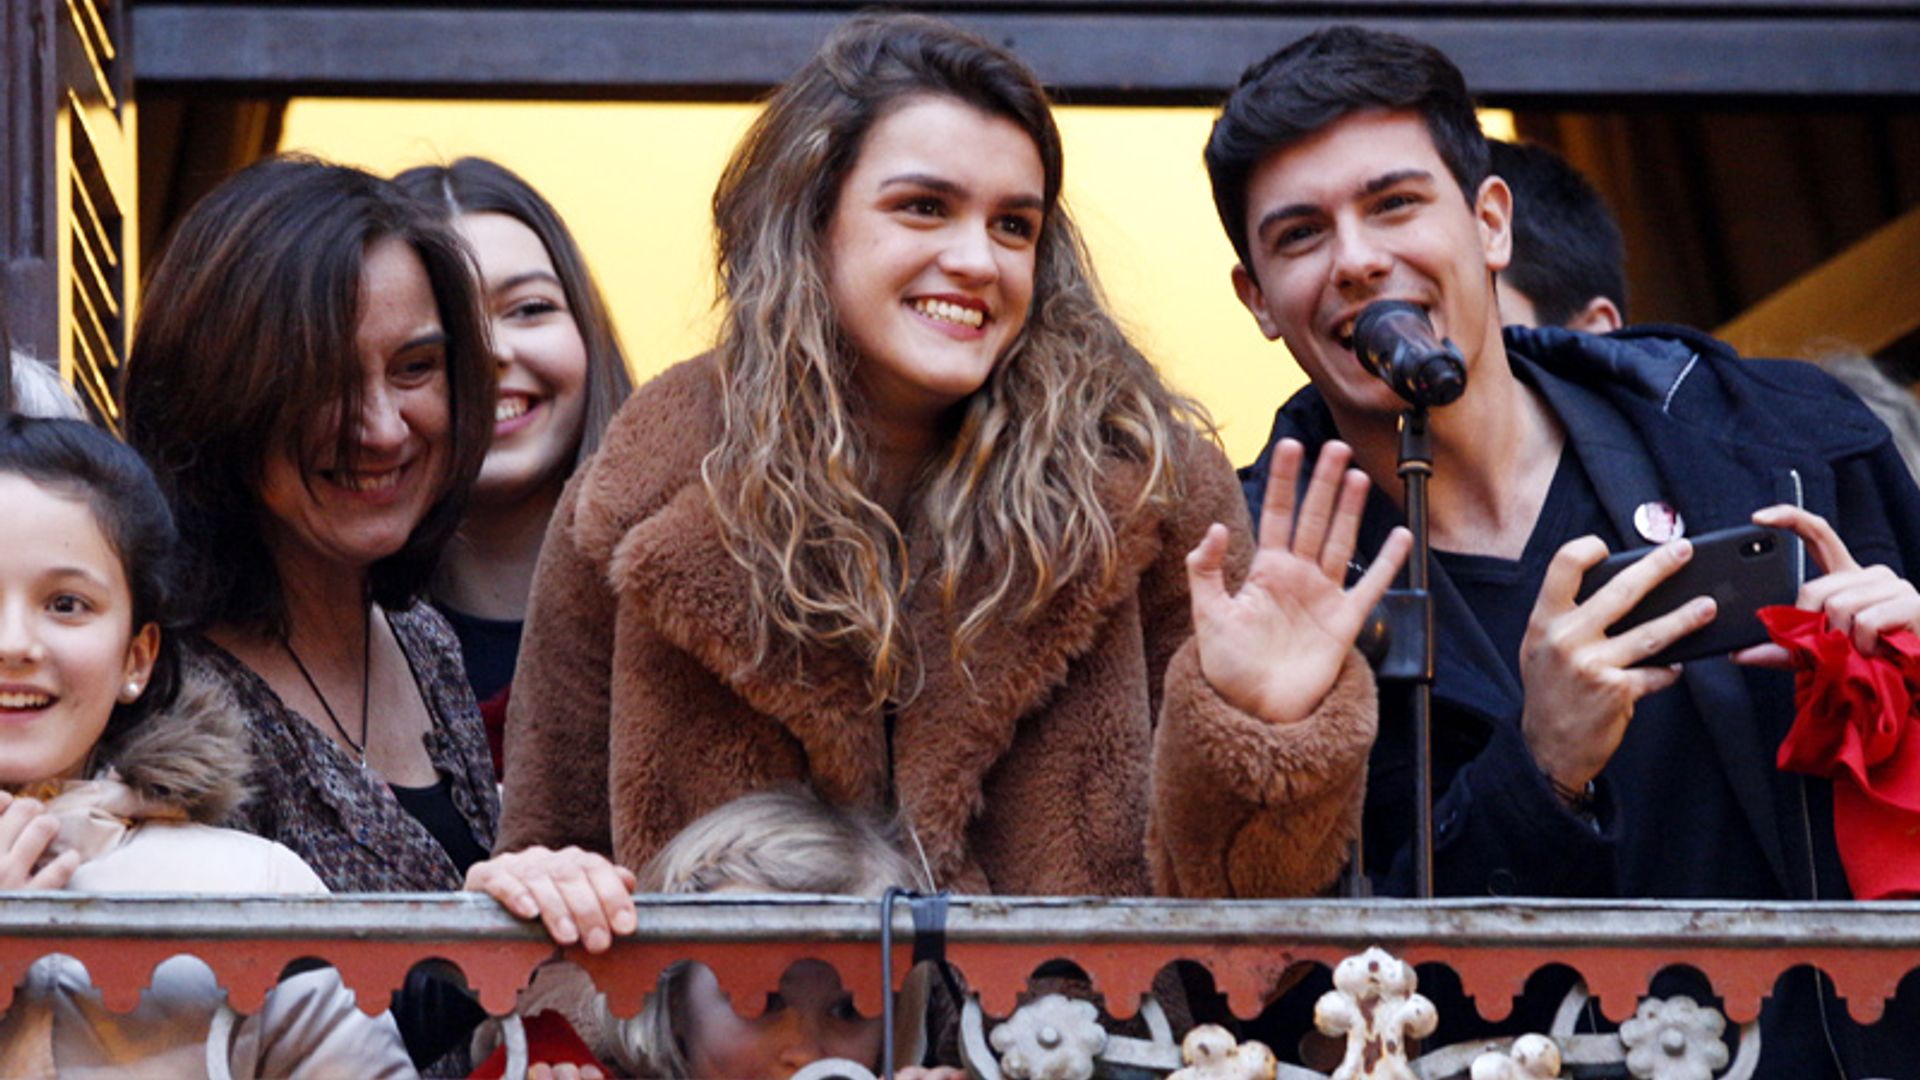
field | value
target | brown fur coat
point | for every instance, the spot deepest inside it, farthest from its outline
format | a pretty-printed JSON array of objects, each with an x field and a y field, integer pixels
[{"x": 637, "y": 706}]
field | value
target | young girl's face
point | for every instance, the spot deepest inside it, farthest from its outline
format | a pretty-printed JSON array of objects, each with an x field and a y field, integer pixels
[
  {"x": 68, "y": 650},
  {"x": 812, "y": 1017},
  {"x": 541, "y": 407}
]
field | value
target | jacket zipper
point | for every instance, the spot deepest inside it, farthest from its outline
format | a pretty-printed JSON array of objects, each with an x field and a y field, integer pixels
[{"x": 1806, "y": 814}]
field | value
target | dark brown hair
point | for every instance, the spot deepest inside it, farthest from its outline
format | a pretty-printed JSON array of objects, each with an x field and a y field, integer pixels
[
  {"x": 474, "y": 185},
  {"x": 1318, "y": 81},
  {"x": 246, "y": 340}
]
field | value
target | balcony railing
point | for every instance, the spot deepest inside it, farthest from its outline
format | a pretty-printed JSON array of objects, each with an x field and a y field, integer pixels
[{"x": 996, "y": 944}]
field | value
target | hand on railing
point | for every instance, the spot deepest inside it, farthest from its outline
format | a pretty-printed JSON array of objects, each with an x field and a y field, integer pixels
[{"x": 582, "y": 896}]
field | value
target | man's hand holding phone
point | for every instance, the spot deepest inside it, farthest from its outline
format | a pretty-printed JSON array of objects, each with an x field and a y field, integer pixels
[{"x": 1580, "y": 683}]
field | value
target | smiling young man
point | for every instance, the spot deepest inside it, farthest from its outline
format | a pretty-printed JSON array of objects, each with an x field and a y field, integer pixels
[{"x": 1349, "y": 167}]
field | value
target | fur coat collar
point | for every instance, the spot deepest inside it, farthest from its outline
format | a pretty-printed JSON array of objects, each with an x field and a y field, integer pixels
[
  {"x": 673, "y": 568},
  {"x": 186, "y": 763}
]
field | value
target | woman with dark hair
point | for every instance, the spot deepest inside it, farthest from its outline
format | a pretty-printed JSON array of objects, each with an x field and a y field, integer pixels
[
  {"x": 926, "y": 533},
  {"x": 113, "y": 773},
  {"x": 310, "y": 380},
  {"x": 561, "y": 378}
]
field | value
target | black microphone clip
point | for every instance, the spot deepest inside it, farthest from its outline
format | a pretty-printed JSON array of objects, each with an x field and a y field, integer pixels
[{"x": 1394, "y": 340}]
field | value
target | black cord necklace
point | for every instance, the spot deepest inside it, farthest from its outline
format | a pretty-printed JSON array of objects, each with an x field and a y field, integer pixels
[{"x": 366, "y": 678}]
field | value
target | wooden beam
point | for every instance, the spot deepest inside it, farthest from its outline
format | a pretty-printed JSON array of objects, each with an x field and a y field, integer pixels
[
  {"x": 1863, "y": 299},
  {"x": 1137, "y": 51}
]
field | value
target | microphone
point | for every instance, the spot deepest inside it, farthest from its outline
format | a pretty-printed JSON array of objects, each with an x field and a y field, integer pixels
[{"x": 1394, "y": 340}]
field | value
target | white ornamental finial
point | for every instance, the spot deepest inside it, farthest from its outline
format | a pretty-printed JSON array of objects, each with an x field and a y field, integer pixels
[
  {"x": 1533, "y": 1057},
  {"x": 1675, "y": 1039},
  {"x": 1374, "y": 1005},
  {"x": 1054, "y": 1038},
  {"x": 1211, "y": 1053}
]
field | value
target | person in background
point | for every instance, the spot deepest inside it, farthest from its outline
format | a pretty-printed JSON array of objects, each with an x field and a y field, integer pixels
[
  {"x": 114, "y": 770},
  {"x": 561, "y": 378},
  {"x": 1892, "y": 402},
  {"x": 1568, "y": 266},
  {"x": 1569, "y": 270},
  {"x": 925, "y": 532}
]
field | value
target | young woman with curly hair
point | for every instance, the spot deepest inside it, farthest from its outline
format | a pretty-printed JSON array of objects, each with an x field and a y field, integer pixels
[{"x": 926, "y": 533}]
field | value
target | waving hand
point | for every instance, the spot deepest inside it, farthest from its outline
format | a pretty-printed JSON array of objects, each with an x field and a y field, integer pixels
[{"x": 1274, "y": 648}]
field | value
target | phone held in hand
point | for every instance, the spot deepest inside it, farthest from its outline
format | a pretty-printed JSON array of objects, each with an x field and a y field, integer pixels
[{"x": 1744, "y": 569}]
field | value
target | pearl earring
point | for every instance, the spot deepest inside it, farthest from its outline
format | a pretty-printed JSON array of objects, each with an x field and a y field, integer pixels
[{"x": 130, "y": 692}]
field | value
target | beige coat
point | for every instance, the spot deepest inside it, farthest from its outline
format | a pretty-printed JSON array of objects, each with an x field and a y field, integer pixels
[{"x": 638, "y": 706}]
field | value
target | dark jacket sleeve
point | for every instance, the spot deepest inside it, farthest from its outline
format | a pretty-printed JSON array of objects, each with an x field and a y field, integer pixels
[{"x": 1498, "y": 828}]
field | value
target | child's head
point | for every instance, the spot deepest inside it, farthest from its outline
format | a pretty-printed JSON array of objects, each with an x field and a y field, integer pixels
[
  {"x": 783, "y": 841},
  {"x": 86, "y": 586},
  {"x": 772, "y": 841}
]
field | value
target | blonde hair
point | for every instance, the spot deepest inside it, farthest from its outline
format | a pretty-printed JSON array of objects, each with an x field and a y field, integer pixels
[
  {"x": 785, "y": 840},
  {"x": 1016, "y": 492}
]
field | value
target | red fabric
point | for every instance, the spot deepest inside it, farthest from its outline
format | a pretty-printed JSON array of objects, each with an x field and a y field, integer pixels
[
  {"x": 1854, "y": 724},
  {"x": 493, "y": 713},
  {"x": 550, "y": 1039}
]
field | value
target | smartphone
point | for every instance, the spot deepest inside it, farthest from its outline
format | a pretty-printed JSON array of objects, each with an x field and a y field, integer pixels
[{"x": 1744, "y": 569}]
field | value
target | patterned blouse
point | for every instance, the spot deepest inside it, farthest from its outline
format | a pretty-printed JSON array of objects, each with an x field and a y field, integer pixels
[{"x": 341, "y": 818}]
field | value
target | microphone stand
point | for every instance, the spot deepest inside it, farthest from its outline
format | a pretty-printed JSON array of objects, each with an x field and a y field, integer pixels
[
  {"x": 1415, "y": 469},
  {"x": 1398, "y": 641},
  {"x": 1395, "y": 341}
]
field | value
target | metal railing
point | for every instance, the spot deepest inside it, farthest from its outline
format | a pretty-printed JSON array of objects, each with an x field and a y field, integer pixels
[{"x": 996, "y": 944}]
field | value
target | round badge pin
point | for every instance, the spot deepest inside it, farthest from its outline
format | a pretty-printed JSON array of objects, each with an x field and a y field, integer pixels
[{"x": 1658, "y": 522}]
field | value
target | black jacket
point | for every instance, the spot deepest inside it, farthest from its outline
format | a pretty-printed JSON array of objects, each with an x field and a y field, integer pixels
[{"x": 1653, "y": 413}]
